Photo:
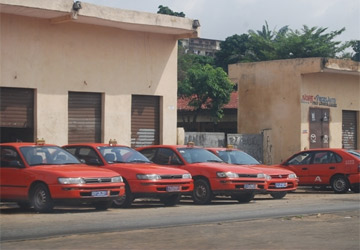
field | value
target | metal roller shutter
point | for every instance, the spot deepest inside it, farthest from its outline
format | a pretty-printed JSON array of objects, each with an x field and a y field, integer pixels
[
  {"x": 349, "y": 133},
  {"x": 17, "y": 108},
  {"x": 84, "y": 117},
  {"x": 145, "y": 120}
]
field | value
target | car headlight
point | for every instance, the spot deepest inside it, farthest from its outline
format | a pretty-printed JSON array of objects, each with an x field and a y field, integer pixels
[
  {"x": 292, "y": 176},
  {"x": 186, "y": 176},
  {"x": 71, "y": 180},
  {"x": 148, "y": 176},
  {"x": 227, "y": 175},
  {"x": 117, "y": 179},
  {"x": 264, "y": 176}
]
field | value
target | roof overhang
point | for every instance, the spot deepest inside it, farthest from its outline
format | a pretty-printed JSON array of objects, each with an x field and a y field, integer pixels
[
  {"x": 338, "y": 66},
  {"x": 60, "y": 11}
]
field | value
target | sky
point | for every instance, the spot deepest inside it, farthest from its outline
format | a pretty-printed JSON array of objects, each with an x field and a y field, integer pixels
[{"x": 222, "y": 19}]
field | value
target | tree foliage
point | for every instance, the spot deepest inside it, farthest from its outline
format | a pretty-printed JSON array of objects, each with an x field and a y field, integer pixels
[
  {"x": 355, "y": 44},
  {"x": 167, "y": 11},
  {"x": 207, "y": 88},
  {"x": 285, "y": 43}
]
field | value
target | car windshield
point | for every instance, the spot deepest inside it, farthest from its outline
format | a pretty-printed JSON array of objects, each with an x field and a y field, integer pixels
[
  {"x": 196, "y": 155},
  {"x": 237, "y": 157},
  {"x": 47, "y": 155},
  {"x": 122, "y": 155},
  {"x": 357, "y": 154}
]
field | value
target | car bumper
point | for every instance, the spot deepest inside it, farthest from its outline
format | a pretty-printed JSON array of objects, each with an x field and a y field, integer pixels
[
  {"x": 281, "y": 185},
  {"x": 160, "y": 187},
  {"x": 87, "y": 192},
  {"x": 231, "y": 186}
]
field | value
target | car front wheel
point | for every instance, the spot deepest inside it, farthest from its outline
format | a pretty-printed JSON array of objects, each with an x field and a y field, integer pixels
[
  {"x": 202, "y": 193},
  {"x": 41, "y": 199},
  {"x": 339, "y": 184},
  {"x": 170, "y": 201},
  {"x": 278, "y": 195},
  {"x": 126, "y": 200},
  {"x": 243, "y": 198}
]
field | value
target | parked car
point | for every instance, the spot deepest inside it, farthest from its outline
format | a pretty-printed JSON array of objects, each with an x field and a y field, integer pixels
[
  {"x": 142, "y": 177},
  {"x": 41, "y": 176},
  {"x": 212, "y": 176},
  {"x": 280, "y": 181},
  {"x": 338, "y": 168}
]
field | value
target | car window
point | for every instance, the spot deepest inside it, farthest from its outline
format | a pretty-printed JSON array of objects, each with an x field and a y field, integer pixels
[
  {"x": 9, "y": 157},
  {"x": 237, "y": 157},
  {"x": 47, "y": 155},
  {"x": 149, "y": 153},
  {"x": 354, "y": 153},
  {"x": 195, "y": 155},
  {"x": 122, "y": 155},
  {"x": 166, "y": 156},
  {"x": 303, "y": 158},
  {"x": 85, "y": 154},
  {"x": 334, "y": 157}
]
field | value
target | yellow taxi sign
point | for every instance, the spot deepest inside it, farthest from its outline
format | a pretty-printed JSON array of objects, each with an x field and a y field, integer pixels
[
  {"x": 190, "y": 144},
  {"x": 112, "y": 142},
  {"x": 40, "y": 141}
]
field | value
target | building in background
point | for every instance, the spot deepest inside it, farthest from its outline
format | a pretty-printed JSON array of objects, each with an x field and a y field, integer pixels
[
  {"x": 77, "y": 72},
  {"x": 298, "y": 104},
  {"x": 201, "y": 46}
]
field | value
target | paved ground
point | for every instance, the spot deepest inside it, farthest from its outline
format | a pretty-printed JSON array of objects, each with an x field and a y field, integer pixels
[{"x": 340, "y": 230}]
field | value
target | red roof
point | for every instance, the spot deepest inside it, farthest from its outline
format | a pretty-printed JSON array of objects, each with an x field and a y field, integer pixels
[{"x": 182, "y": 103}]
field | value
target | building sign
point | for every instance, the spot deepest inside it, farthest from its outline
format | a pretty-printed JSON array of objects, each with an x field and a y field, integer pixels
[{"x": 319, "y": 100}]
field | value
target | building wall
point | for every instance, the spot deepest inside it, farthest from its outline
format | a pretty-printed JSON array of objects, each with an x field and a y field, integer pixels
[
  {"x": 54, "y": 59},
  {"x": 343, "y": 89},
  {"x": 270, "y": 101}
]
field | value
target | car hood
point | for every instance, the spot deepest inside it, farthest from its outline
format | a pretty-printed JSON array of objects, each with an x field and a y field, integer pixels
[
  {"x": 76, "y": 170},
  {"x": 272, "y": 170},
  {"x": 145, "y": 168},
  {"x": 225, "y": 167}
]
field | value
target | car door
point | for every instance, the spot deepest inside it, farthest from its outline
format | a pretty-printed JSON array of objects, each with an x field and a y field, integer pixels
[
  {"x": 300, "y": 165},
  {"x": 324, "y": 165},
  {"x": 15, "y": 177}
]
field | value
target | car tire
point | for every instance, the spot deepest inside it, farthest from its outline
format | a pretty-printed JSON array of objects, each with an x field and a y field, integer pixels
[
  {"x": 102, "y": 205},
  {"x": 124, "y": 201},
  {"x": 170, "y": 201},
  {"x": 41, "y": 199},
  {"x": 24, "y": 205},
  {"x": 244, "y": 198},
  {"x": 278, "y": 195},
  {"x": 356, "y": 188},
  {"x": 202, "y": 193},
  {"x": 339, "y": 184}
]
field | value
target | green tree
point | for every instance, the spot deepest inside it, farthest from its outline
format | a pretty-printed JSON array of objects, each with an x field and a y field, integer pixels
[
  {"x": 207, "y": 88},
  {"x": 187, "y": 61},
  {"x": 167, "y": 11},
  {"x": 355, "y": 44},
  {"x": 233, "y": 50}
]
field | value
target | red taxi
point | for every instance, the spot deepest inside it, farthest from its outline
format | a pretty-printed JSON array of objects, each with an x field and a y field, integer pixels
[
  {"x": 280, "y": 181},
  {"x": 41, "y": 176},
  {"x": 142, "y": 178},
  {"x": 211, "y": 175},
  {"x": 338, "y": 168}
]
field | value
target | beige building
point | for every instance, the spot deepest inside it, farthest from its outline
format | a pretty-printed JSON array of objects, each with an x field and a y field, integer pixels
[
  {"x": 81, "y": 72},
  {"x": 299, "y": 104}
]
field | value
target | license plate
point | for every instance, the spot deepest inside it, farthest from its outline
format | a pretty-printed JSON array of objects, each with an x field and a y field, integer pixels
[
  {"x": 250, "y": 186},
  {"x": 172, "y": 188},
  {"x": 281, "y": 185},
  {"x": 99, "y": 193}
]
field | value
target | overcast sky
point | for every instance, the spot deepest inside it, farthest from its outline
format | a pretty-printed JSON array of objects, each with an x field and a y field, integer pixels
[{"x": 221, "y": 19}]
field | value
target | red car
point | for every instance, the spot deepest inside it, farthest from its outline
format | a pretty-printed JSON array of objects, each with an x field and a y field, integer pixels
[
  {"x": 42, "y": 176},
  {"x": 142, "y": 178},
  {"x": 338, "y": 168},
  {"x": 280, "y": 181},
  {"x": 211, "y": 175}
]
